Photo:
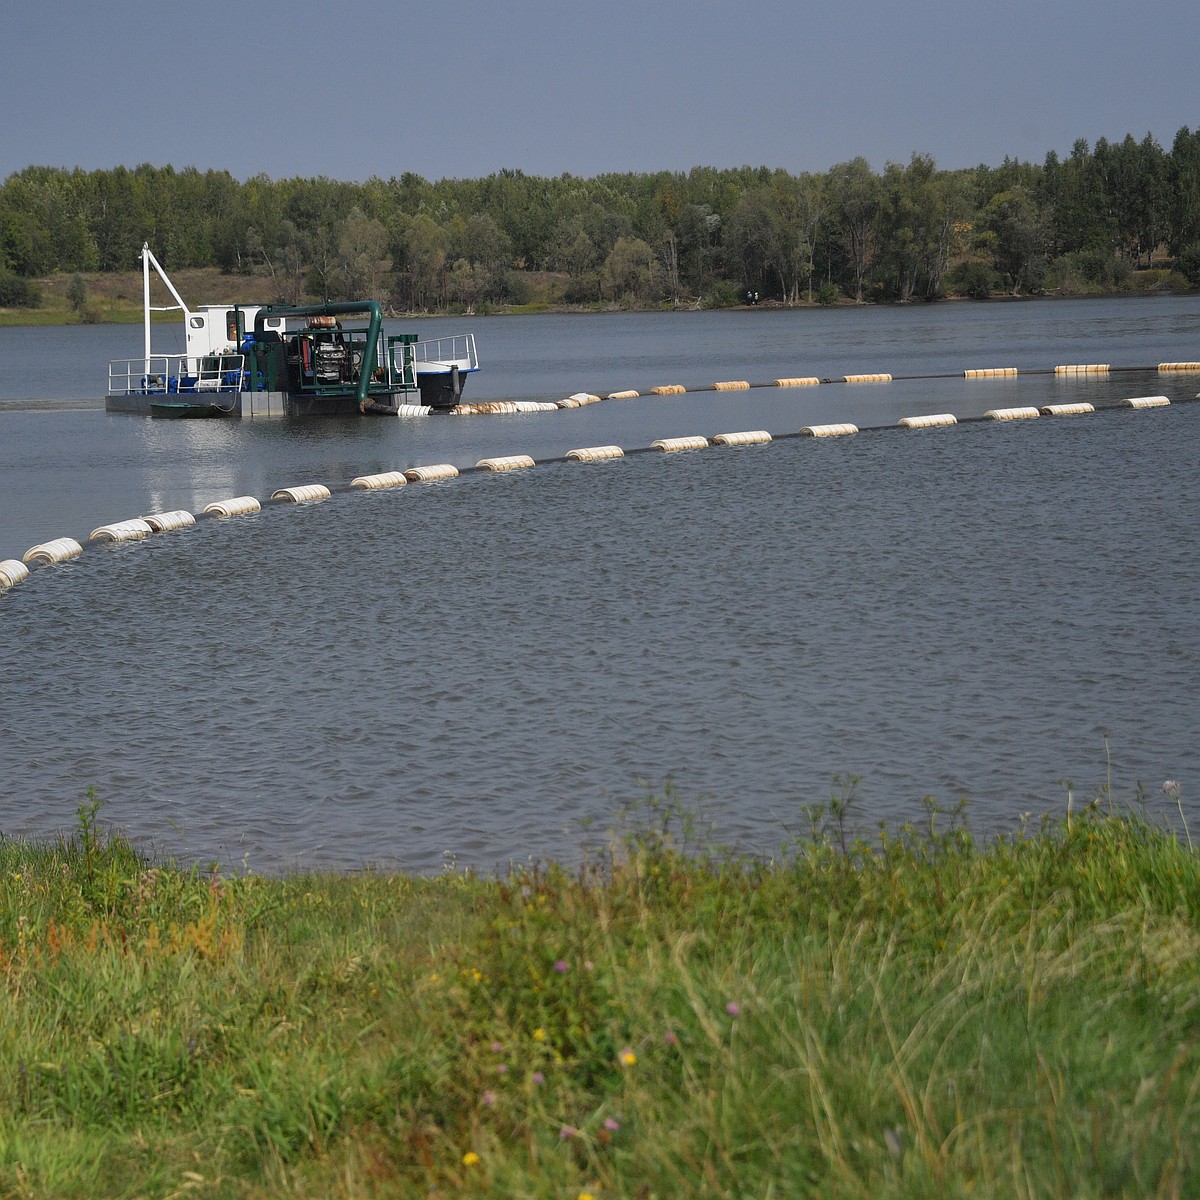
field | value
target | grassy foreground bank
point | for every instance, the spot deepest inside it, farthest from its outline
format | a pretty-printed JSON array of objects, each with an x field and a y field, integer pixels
[{"x": 917, "y": 1016}]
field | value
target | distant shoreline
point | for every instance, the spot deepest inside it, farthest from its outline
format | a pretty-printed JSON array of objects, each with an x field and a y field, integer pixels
[{"x": 126, "y": 314}]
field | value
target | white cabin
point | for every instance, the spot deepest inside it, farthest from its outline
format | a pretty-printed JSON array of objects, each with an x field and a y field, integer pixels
[{"x": 212, "y": 328}]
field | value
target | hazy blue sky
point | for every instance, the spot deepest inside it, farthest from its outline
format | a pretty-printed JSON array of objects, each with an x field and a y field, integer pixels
[{"x": 462, "y": 89}]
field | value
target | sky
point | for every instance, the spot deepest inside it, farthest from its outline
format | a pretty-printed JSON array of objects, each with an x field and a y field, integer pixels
[{"x": 466, "y": 88}]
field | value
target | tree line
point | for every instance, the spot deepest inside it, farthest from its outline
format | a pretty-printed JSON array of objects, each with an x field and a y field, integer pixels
[{"x": 705, "y": 237}]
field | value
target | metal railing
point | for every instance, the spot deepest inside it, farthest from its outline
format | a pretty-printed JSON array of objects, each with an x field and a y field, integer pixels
[
  {"x": 440, "y": 354},
  {"x": 170, "y": 374}
]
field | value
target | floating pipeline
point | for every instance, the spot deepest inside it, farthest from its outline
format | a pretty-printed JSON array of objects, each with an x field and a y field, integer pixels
[
  {"x": 1063, "y": 371},
  {"x": 65, "y": 549}
]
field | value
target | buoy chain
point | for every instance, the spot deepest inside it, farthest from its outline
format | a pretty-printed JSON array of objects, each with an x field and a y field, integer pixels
[{"x": 13, "y": 571}]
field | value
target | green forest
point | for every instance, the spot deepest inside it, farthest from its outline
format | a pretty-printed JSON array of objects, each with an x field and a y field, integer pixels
[{"x": 1110, "y": 217}]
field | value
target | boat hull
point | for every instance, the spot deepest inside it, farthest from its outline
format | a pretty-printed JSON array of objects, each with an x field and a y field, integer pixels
[
  {"x": 187, "y": 410},
  {"x": 255, "y": 404}
]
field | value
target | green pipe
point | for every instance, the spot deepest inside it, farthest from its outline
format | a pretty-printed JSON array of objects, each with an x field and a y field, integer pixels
[{"x": 336, "y": 309}]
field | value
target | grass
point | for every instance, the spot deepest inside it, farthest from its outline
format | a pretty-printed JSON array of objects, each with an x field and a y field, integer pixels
[
  {"x": 116, "y": 297},
  {"x": 913, "y": 1015}
]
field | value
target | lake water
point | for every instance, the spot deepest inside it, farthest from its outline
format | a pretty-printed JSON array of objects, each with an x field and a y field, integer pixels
[{"x": 479, "y": 669}]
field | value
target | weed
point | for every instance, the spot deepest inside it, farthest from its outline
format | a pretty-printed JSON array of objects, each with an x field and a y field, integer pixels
[{"x": 913, "y": 1015}]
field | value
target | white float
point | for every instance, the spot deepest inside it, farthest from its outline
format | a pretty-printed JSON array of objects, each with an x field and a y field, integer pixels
[
  {"x": 928, "y": 421},
  {"x": 12, "y": 572},
  {"x": 301, "y": 493},
  {"x": 386, "y": 479},
  {"x": 747, "y": 437},
  {"x": 508, "y": 462},
  {"x": 177, "y": 518},
  {"x": 1011, "y": 414},
  {"x": 431, "y": 474},
  {"x": 236, "y": 506},
  {"x": 1066, "y": 410},
  {"x": 836, "y": 430},
  {"x": 121, "y": 531},
  {"x": 59, "y": 550}
]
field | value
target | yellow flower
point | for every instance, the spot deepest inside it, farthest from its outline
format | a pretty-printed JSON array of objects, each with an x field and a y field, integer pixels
[
  {"x": 627, "y": 1057},
  {"x": 586, "y": 1196},
  {"x": 539, "y": 1035},
  {"x": 470, "y": 1158}
]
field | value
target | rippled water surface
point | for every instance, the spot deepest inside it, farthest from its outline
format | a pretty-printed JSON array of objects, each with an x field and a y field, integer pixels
[{"x": 480, "y": 667}]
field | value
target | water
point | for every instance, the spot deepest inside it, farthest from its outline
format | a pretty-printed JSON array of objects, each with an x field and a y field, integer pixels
[{"x": 481, "y": 668}]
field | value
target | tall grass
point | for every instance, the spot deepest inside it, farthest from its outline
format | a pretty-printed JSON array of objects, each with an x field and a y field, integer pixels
[{"x": 909, "y": 1015}]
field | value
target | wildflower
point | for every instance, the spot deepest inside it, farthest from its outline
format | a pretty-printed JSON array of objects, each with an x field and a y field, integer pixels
[
  {"x": 627, "y": 1057},
  {"x": 539, "y": 1078},
  {"x": 671, "y": 1038},
  {"x": 470, "y": 1158},
  {"x": 586, "y": 1196},
  {"x": 502, "y": 1069},
  {"x": 497, "y": 1047},
  {"x": 567, "y": 1132},
  {"x": 539, "y": 1034},
  {"x": 489, "y": 1098},
  {"x": 612, "y": 1124},
  {"x": 562, "y": 966},
  {"x": 733, "y": 1008},
  {"x": 1171, "y": 788}
]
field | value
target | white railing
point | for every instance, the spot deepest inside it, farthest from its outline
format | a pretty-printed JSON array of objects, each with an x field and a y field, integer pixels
[
  {"x": 440, "y": 354},
  {"x": 169, "y": 374}
]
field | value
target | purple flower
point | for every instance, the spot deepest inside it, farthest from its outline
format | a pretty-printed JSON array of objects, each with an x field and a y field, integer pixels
[
  {"x": 612, "y": 1124},
  {"x": 567, "y": 1132},
  {"x": 489, "y": 1098},
  {"x": 497, "y": 1047},
  {"x": 562, "y": 966},
  {"x": 733, "y": 1008},
  {"x": 539, "y": 1078}
]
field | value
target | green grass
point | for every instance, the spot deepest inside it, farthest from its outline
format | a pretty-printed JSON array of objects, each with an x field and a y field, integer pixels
[
  {"x": 913, "y": 1015},
  {"x": 109, "y": 315}
]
